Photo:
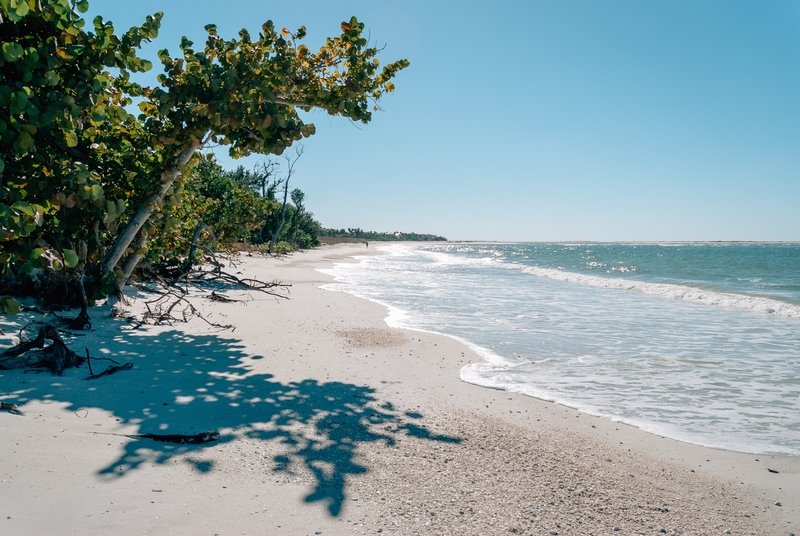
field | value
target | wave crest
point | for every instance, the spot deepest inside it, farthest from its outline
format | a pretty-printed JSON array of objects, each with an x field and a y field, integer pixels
[{"x": 673, "y": 291}]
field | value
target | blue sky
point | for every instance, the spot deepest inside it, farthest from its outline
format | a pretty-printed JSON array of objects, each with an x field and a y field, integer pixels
[{"x": 557, "y": 120}]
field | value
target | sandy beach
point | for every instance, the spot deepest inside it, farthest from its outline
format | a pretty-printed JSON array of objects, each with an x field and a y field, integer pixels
[{"x": 331, "y": 422}]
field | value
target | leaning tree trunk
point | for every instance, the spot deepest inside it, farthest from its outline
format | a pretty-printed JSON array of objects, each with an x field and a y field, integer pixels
[
  {"x": 130, "y": 263},
  {"x": 199, "y": 229},
  {"x": 146, "y": 209}
]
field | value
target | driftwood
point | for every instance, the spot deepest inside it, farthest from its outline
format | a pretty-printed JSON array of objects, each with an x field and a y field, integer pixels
[
  {"x": 110, "y": 370},
  {"x": 222, "y": 298},
  {"x": 173, "y": 306},
  {"x": 173, "y": 286},
  {"x": 181, "y": 439},
  {"x": 273, "y": 288},
  {"x": 196, "y": 439},
  {"x": 89, "y": 364},
  {"x": 11, "y": 408},
  {"x": 38, "y": 342},
  {"x": 56, "y": 357}
]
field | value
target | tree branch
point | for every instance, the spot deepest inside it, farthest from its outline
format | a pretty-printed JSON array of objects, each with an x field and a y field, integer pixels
[{"x": 296, "y": 104}]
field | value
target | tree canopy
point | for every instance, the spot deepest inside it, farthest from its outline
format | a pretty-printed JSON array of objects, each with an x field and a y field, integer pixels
[{"x": 83, "y": 178}]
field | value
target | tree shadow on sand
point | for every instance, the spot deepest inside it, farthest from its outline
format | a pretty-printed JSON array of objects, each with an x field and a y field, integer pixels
[{"x": 193, "y": 383}]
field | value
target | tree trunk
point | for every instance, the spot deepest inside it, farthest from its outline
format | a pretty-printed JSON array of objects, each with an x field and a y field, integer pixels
[
  {"x": 146, "y": 209},
  {"x": 130, "y": 264},
  {"x": 200, "y": 228},
  {"x": 289, "y": 173},
  {"x": 277, "y": 231}
]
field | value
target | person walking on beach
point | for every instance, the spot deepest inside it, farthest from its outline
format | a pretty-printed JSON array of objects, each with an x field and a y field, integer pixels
[{"x": 367, "y": 243}]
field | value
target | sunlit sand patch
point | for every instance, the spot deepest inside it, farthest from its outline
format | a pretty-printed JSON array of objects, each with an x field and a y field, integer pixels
[{"x": 373, "y": 337}]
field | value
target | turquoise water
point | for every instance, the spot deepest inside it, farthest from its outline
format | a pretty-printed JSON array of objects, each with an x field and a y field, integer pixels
[{"x": 699, "y": 342}]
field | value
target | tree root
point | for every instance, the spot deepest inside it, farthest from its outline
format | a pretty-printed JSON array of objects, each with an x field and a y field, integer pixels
[
  {"x": 81, "y": 321},
  {"x": 56, "y": 357}
]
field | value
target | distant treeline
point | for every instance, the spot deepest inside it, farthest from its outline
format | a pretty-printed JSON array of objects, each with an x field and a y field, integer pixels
[{"x": 376, "y": 236}]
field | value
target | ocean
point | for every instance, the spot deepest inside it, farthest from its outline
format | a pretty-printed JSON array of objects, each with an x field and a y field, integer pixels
[{"x": 695, "y": 341}]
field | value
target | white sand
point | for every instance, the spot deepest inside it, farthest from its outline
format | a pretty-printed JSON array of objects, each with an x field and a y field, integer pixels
[{"x": 333, "y": 423}]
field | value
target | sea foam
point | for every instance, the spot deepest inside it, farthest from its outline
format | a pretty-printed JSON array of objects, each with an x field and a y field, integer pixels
[
  {"x": 690, "y": 363},
  {"x": 668, "y": 290}
]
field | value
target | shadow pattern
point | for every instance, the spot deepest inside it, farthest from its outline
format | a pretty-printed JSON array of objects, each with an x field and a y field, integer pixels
[{"x": 193, "y": 383}]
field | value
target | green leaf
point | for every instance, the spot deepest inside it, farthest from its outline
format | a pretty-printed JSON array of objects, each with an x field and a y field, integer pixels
[
  {"x": 51, "y": 78},
  {"x": 82, "y": 6},
  {"x": 22, "y": 9},
  {"x": 12, "y": 51},
  {"x": 99, "y": 114},
  {"x": 9, "y": 306},
  {"x": 96, "y": 192},
  {"x": 19, "y": 102},
  {"x": 25, "y": 140},
  {"x": 70, "y": 258},
  {"x": 71, "y": 138},
  {"x": 25, "y": 208}
]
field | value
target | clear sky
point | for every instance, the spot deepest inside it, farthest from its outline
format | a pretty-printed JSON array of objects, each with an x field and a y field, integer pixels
[{"x": 548, "y": 120}]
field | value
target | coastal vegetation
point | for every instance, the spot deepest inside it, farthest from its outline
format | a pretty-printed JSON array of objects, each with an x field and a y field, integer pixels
[
  {"x": 360, "y": 234},
  {"x": 98, "y": 172},
  {"x": 240, "y": 207}
]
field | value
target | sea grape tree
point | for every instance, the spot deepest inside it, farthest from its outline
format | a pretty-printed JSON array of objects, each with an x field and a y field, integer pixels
[
  {"x": 62, "y": 113},
  {"x": 81, "y": 175}
]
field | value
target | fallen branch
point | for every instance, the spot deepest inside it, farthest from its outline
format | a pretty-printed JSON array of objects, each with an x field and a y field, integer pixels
[
  {"x": 173, "y": 305},
  {"x": 223, "y": 299},
  {"x": 11, "y": 408},
  {"x": 274, "y": 288},
  {"x": 165, "y": 307},
  {"x": 110, "y": 370},
  {"x": 89, "y": 362},
  {"x": 181, "y": 439},
  {"x": 196, "y": 439}
]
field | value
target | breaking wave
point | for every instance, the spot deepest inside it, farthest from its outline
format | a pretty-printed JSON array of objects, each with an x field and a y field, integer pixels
[{"x": 669, "y": 290}]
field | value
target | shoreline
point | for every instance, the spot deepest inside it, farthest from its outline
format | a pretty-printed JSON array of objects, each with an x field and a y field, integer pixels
[
  {"x": 334, "y": 423},
  {"x": 492, "y": 360}
]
